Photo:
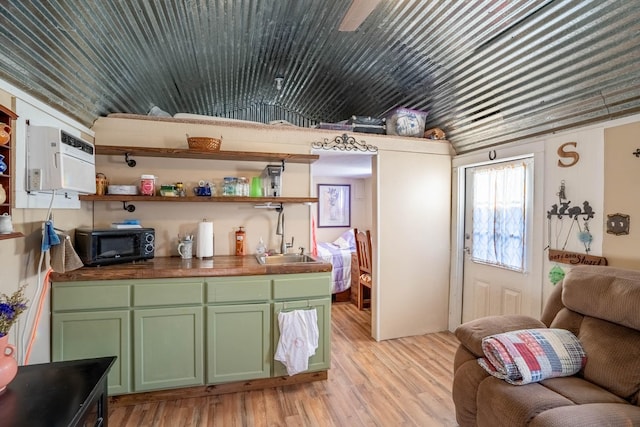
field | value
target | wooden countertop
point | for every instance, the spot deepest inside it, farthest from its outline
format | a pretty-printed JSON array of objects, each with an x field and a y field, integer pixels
[{"x": 167, "y": 267}]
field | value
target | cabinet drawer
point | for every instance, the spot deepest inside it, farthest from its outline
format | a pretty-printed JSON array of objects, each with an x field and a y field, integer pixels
[
  {"x": 301, "y": 285},
  {"x": 89, "y": 296},
  {"x": 236, "y": 289},
  {"x": 167, "y": 293}
]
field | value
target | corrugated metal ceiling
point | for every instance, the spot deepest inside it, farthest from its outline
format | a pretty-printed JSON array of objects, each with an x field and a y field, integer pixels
[{"x": 488, "y": 71}]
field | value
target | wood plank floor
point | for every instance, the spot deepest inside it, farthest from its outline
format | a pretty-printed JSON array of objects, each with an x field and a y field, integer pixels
[{"x": 401, "y": 382}]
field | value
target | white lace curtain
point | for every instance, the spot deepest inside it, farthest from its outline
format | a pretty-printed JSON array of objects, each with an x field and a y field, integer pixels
[{"x": 499, "y": 201}]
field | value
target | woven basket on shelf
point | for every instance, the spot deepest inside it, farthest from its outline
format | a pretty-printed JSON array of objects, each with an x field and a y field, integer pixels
[{"x": 204, "y": 143}]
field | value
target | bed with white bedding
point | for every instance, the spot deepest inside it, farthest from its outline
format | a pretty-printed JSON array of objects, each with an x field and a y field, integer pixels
[{"x": 340, "y": 253}]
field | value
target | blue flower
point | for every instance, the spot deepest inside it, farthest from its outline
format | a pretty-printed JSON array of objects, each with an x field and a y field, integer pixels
[{"x": 7, "y": 311}]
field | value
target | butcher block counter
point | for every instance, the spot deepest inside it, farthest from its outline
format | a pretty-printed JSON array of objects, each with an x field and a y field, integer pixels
[
  {"x": 167, "y": 267},
  {"x": 188, "y": 327}
]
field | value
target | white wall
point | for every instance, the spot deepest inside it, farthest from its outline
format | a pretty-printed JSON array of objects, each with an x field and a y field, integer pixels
[
  {"x": 411, "y": 241},
  {"x": 19, "y": 262}
]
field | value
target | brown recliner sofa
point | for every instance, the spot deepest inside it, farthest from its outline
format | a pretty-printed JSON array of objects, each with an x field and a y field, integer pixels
[{"x": 601, "y": 306}]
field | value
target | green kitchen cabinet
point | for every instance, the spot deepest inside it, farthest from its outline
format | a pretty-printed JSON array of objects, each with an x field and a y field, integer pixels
[
  {"x": 168, "y": 334},
  {"x": 167, "y": 348},
  {"x": 238, "y": 328},
  {"x": 93, "y": 321},
  {"x": 238, "y": 342},
  {"x": 183, "y": 332},
  {"x": 321, "y": 360},
  {"x": 304, "y": 292}
]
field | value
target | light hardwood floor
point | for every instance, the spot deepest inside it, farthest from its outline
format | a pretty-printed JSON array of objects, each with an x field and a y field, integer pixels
[{"x": 401, "y": 382}]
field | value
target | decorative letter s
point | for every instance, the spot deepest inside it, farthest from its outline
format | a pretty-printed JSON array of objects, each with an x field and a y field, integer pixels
[{"x": 568, "y": 154}]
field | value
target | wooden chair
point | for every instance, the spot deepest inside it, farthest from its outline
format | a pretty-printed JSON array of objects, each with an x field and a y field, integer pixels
[{"x": 363, "y": 249}]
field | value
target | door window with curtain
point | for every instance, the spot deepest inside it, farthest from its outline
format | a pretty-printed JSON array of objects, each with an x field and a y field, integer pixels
[{"x": 499, "y": 208}]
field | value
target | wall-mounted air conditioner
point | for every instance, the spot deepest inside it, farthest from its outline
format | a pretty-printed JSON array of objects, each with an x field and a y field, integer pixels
[{"x": 59, "y": 161}]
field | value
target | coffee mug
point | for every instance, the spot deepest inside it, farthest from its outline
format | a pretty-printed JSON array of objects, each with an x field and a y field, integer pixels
[
  {"x": 185, "y": 249},
  {"x": 5, "y": 133}
]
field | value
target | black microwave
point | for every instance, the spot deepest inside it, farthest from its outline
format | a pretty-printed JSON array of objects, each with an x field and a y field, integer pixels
[{"x": 112, "y": 246}]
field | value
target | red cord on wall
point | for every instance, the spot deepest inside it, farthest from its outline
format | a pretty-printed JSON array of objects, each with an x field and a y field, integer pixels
[{"x": 41, "y": 300}]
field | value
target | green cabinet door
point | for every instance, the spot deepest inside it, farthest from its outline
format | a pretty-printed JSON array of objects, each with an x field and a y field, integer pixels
[
  {"x": 238, "y": 342},
  {"x": 84, "y": 335},
  {"x": 168, "y": 348},
  {"x": 322, "y": 359}
]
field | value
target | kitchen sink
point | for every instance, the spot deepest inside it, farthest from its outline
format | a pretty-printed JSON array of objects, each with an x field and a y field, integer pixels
[{"x": 285, "y": 259}]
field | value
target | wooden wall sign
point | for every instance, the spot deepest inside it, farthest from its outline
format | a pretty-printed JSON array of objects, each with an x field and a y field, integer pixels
[
  {"x": 564, "y": 154},
  {"x": 574, "y": 258}
]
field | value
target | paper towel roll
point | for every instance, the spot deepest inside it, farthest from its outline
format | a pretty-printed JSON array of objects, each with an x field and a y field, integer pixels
[{"x": 205, "y": 239}]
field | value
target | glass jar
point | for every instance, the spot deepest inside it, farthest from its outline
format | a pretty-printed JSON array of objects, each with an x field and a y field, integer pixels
[
  {"x": 180, "y": 189},
  {"x": 148, "y": 185},
  {"x": 229, "y": 186},
  {"x": 242, "y": 187}
]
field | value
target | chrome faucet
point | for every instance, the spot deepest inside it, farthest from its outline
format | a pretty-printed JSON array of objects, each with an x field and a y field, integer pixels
[{"x": 280, "y": 231}]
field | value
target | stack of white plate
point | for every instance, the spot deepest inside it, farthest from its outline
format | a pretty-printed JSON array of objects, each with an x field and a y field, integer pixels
[{"x": 122, "y": 189}]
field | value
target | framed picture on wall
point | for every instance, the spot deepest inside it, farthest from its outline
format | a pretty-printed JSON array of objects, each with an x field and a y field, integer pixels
[{"x": 334, "y": 209}]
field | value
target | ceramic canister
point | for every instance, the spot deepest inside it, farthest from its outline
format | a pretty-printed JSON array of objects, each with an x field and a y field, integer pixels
[{"x": 5, "y": 224}]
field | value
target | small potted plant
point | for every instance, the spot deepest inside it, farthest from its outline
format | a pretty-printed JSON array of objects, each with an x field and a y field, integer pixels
[{"x": 10, "y": 309}]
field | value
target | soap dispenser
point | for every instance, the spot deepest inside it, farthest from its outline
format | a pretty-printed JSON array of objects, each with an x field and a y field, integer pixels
[{"x": 261, "y": 249}]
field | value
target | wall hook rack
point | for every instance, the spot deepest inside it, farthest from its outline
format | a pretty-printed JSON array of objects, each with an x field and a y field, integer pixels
[
  {"x": 344, "y": 142},
  {"x": 128, "y": 207},
  {"x": 637, "y": 152},
  {"x": 563, "y": 207},
  {"x": 571, "y": 211}
]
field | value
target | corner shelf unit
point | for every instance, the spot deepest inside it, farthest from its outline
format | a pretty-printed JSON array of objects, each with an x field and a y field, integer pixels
[
  {"x": 184, "y": 153},
  {"x": 6, "y": 179}
]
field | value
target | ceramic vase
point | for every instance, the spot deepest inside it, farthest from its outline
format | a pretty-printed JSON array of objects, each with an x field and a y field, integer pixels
[
  {"x": 8, "y": 364},
  {"x": 3, "y": 165}
]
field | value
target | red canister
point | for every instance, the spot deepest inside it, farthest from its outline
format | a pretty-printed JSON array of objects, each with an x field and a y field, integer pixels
[{"x": 148, "y": 185}]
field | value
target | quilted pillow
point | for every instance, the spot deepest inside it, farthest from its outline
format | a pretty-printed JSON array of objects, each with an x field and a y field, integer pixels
[
  {"x": 531, "y": 355},
  {"x": 347, "y": 240}
]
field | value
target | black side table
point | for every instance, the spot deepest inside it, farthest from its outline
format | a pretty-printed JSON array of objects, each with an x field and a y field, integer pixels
[{"x": 70, "y": 393}]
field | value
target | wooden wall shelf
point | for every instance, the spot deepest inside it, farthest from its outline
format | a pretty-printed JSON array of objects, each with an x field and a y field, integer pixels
[
  {"x": 187, "y": 153},
  {"x": 10, "y": 236},
  {"x": 196, "y": 199}
]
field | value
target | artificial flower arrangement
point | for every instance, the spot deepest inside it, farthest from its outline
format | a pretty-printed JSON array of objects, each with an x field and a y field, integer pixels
[{"x": 10, "y": 309}]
